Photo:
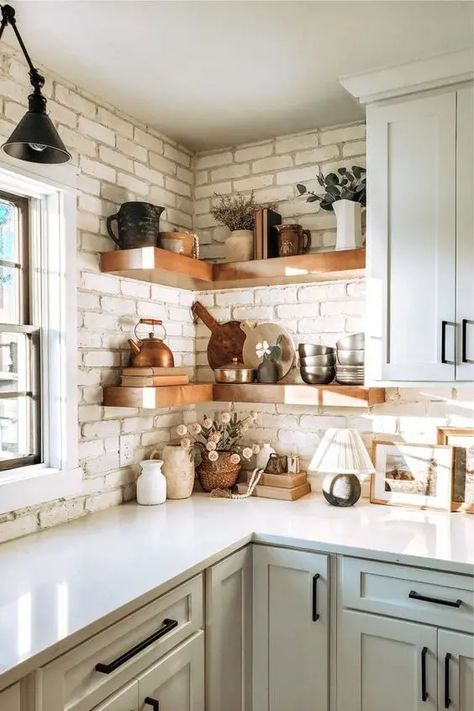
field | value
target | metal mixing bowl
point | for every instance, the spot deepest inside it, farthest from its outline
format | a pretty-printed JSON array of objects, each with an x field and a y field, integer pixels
[
  {"x": 318, "y": 376},
  {"x": 318, "y": 360},
  {"x": 354, "y": 357},
  {"x": 313, "y": 349},
  {"x": 350, "y": 343}
]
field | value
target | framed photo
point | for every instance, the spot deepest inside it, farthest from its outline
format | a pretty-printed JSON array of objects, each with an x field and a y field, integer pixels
[
  {"x": 462, "y": 440},
  {"x": 419, "y": 475}
]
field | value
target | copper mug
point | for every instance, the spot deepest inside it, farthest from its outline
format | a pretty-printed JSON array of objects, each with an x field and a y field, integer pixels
[{"x": 292, "y": 239}]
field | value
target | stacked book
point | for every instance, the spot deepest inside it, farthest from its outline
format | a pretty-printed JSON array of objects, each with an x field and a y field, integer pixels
[
  {"x": 153, "y": 377},
  {"x": 286, "y": 487},
  {"x": 265, "y": 235}
]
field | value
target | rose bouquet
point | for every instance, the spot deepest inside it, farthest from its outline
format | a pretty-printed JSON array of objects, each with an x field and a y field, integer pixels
[{"x": 215, "y": 442}]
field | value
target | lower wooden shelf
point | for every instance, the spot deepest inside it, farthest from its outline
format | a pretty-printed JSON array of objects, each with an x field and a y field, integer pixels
[{"x": 176, "y": 395}]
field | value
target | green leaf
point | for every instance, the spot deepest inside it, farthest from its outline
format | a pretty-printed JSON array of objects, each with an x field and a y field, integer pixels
[
  {"x": 313, "y": 198},
  {"x": 342, "y": 171},
  {"x": 332, "y": 179},
  {"x": 301, "y": 188},
  {"x": 321, "y": 179},
  {"x": 333, "y": 190},
  {"x": 357, "y": 170}
]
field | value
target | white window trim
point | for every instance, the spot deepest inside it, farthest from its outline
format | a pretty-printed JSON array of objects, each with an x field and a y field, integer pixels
[{"x": 52, "y": 190}]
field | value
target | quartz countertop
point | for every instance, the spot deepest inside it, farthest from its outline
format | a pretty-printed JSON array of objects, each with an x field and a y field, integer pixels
[{"x": 60, "y": 586}]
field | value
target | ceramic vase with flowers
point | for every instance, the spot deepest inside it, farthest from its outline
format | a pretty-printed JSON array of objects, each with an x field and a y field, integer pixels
[
  {"x": 214, "y": 445},
  {"x": 268, "y": 370},
  {"x": 237, "y": 213}
]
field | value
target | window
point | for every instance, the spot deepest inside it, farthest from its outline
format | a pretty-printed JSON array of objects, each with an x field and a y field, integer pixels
[{"x": 20, "y": 407}]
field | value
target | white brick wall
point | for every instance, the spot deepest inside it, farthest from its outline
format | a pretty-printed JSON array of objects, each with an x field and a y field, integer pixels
[
  {"x": 272, "y": 169},
  {"x": 121, "y": 159}
]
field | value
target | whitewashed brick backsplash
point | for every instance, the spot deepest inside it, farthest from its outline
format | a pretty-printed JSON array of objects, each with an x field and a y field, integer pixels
[
  {"x": 272, "y": 169},
  {"x": 121, "y": 159}
]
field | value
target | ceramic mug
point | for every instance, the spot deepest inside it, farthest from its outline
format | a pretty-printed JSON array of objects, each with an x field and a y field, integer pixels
[{"x": 292, "y": 240}]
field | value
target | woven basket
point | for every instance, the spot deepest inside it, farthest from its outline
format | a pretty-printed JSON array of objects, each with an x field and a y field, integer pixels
[{"x": 218, "y": 475}]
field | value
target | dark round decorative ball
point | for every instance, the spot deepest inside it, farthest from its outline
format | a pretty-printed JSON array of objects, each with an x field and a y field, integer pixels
[{"x": 341, "y": 489}]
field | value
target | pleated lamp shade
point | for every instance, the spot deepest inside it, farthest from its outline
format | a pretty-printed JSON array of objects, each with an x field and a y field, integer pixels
[{"x": 342, "y": 451}]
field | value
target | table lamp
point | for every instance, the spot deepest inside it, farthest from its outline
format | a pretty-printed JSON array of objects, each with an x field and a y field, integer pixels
[{"x": 343, "y": 458}]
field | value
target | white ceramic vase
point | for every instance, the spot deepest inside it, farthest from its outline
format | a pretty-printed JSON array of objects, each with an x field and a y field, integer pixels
[
  {"x": 178, "y": 468},
  {"x": 349, "y": 224},
  {"x": 151, "y": 484},
  {"x": 264, "y": 455},
  {"x": 238, "y": 246}
]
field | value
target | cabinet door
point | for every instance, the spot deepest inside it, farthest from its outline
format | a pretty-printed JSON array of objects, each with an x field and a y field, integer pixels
[
  {"x": 382, "y": 664},
  {"x": 411, "y": 212},
  {"x": 229, "y": 633},
  {"x": 10, "y": 698},
  {"x": 176, "y": 682},
  {"x": 456, "y": 671},
  {"x": 124, "y": 700},
  {"x": 290, "y": 630},
  {"x": 465, "y": 236}
]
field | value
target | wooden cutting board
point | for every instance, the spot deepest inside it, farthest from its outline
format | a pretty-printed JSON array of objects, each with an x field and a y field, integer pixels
[
  {"x": 267, "y": 332},
  {"x": 226, "y": 341},
  {"x": 281, "y": 481},
  {"x": 276, "y": 492}
]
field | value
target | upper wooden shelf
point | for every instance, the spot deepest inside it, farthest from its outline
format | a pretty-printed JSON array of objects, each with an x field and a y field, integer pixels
[
  {"x": 169, "y": 269},
  {"x": 311, "y": 395}
]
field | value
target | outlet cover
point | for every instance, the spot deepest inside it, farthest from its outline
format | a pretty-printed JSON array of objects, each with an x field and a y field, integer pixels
[{"x": 127, "y": 450}]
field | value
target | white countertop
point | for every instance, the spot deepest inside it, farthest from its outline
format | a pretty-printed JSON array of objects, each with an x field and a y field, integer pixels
[{"x": 62, "y": 585}]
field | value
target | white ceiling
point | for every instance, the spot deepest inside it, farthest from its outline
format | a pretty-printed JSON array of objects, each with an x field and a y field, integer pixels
[{"x": 211, "y": 74}]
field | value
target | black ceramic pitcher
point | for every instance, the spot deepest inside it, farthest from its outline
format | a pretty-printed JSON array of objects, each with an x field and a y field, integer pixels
[{"x": 138, "y": 225}]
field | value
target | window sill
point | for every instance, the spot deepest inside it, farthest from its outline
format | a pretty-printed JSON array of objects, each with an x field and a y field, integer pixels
[{"x": 37, "y": 484}]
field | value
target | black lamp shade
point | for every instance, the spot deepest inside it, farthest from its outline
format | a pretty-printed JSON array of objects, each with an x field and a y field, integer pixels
[{"x": 36, "y": 140}]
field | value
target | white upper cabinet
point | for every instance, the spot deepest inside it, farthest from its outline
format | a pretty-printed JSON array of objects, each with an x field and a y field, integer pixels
[
  {"x": 465, "y": 235},
  {"x": 411, "y": 169},
  {"x": 420, "y": 245}
]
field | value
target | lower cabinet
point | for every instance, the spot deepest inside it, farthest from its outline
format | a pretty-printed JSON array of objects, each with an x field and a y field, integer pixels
[
  {"x": 455, "y": 671},
  {"x": 176, "y": 681},
  {"x": 124, "y": 700},
  {"x": 290, "y": 630},
  {"x": 229, "y": 633},
  {"x": 386, "y": 664},
  {"x": 10, "y": 698}
]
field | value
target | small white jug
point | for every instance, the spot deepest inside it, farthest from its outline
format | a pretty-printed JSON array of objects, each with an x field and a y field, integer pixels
[{"x": 151, "y": 484}]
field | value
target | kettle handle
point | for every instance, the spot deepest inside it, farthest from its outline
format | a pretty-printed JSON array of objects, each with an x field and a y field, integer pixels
[
  {"x": 109, "y": 221},
  {"x": 150, "y": 322}
]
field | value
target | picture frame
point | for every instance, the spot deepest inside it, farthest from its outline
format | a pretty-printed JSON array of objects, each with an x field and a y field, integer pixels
[
  {"x": 462, "y": 441},
  {"x": 415, "y": 475}
]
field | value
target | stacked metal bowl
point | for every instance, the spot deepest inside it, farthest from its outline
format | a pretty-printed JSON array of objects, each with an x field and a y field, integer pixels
[
  {"x": 350, "y": 360},
  {"x": 317, "y": 363}
]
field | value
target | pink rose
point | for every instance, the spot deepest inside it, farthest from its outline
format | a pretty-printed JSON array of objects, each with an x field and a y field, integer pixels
[
  {"x": 207, "y": 423},
  {"x": 235, "y": 459},
  {"x": 213, "y": 456},
  {"x": 181, "y": 430},
  {"x": 247, "y": 452},
  {"x": 186, "y": 443},
  {"x": 225, "y": 417},
  {"x": 211, "y": 446}
]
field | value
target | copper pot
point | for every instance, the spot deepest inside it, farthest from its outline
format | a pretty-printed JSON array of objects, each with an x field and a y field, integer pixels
[
  {"x": 234, "y": 372},
  {"x": 150, "y": 352}
]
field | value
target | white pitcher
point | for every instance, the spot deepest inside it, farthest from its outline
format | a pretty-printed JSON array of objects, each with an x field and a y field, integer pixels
[{"x": 151, "y": 484}]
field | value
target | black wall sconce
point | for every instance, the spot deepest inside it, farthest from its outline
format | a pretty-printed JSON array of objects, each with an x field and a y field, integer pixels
[{"x": 34, "y": 139}]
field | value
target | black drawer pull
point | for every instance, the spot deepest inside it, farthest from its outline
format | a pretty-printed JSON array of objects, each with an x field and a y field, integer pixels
[
  {"x": 155, "y": 705},
  {"x": 449, "y": 603},
  {"x": 424, "y": 693},
  {"x": 465, "y": 324},
  {"x": 315, "y": 597},
  {"x": 167, "y": 626},
  {"x": 447, "y": 700}
]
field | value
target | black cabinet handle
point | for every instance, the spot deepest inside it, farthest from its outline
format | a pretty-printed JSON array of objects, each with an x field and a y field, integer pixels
[
  {"x": 465, "y": 323},
  {"x": 315, "y": 597},
  {"x": 424, "y": 693},
  {"x": 167, "y": 626},
  {"x": 447, "y": 700},
  {"x": 443, "y": 341},
  {"x": 155, "y": 705},
  {"x": 438, "y": 601}
]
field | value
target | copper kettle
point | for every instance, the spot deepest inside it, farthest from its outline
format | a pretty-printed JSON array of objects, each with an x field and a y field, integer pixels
[{"x": 150, "y": 352}]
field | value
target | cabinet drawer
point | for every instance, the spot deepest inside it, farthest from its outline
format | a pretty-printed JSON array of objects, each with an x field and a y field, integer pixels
[
  {"x": 441, "y": 599},
  {"x": 72, "y": 682}
]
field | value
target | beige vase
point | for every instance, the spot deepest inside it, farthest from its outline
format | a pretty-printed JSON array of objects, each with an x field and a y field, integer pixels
[
  {"x": 238, "y": 246},
  {"x": 178, "y": 469}
]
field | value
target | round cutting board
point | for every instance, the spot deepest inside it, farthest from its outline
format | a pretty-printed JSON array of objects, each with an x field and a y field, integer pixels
[{"x": 267, "y": 332}]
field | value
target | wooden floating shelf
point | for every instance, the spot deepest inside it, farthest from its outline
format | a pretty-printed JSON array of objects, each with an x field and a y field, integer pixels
[
  {"x": 159, "y": 266},
  {"x": 176, "y": 395}
]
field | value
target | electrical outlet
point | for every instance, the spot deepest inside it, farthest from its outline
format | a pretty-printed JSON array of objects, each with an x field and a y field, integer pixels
[{"x": 127, "y": 450}]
